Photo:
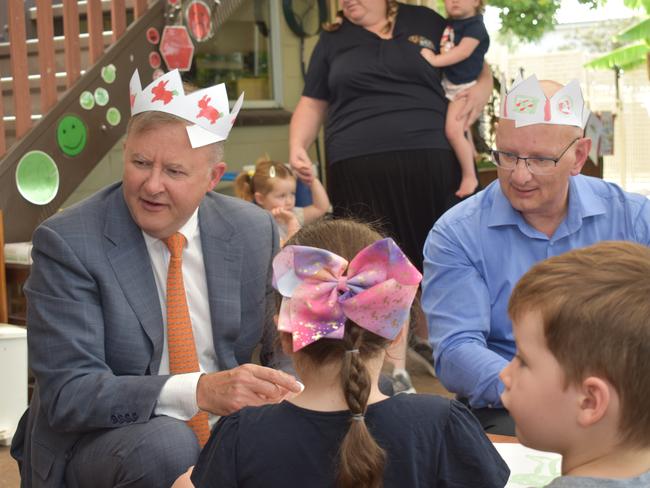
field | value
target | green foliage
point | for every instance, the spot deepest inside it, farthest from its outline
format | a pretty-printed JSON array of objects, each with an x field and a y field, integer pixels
[{"x": 626, "y": 57}]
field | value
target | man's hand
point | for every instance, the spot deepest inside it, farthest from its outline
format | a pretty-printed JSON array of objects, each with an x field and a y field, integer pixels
[
  {"x": 225, "y": 392},
  {"x": 301, "y": 164}
]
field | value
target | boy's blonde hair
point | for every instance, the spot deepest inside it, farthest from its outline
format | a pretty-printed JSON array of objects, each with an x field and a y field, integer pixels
[
  {"x": 595, "y": 307},
  {"x": 261, "y": 179}
]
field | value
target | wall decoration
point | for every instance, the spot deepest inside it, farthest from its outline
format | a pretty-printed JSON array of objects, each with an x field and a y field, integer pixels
[
  {"x": 86, "y": 100},
  {"x": 153, "y": 36},
  {"x": 101, "y": 96},
  {"x": 113, "y": 116},
  {"x": 109, "y": 73},
  {"x": 198, "y": 18},
  {"x": 176, "y": 48},
  {"x": 37, "y": 178},
  {"x": 71, "y": 135},
  {"x": 154, "y": 60}
]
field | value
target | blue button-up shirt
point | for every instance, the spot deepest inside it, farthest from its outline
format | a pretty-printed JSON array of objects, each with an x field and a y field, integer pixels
[{"x": 476, "y": 253}]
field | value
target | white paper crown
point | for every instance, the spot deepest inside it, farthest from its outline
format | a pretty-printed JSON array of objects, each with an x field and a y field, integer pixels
[
  {"x": 526, "y": 104},
  {"x": 207, "y": 109}
]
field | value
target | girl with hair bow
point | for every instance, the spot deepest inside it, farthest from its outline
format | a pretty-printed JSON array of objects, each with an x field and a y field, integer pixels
[{"x": 346, "y": 294}]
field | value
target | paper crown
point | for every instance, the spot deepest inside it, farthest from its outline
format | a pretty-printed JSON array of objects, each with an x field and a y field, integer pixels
[
  {"x": 526, "y": 104},
  {"x": 207, "y": 109}
]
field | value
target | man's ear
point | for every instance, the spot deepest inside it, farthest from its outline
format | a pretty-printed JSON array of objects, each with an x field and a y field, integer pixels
[
  {"x": 583, "y": 146},
  {"x": 595, "y": 398},
  {"x": 216, "y": 173}
]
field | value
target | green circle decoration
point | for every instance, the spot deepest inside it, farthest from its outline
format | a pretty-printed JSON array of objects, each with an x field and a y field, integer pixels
[
  {"x": 101, "y": 96},
  {"x": 113, "y": 116},
  {"x": 37, "y": 178},
  {"x": 86, "y": 100},
  {"x": 71, "y": 135},
  {"x": 109, "y": 73}
]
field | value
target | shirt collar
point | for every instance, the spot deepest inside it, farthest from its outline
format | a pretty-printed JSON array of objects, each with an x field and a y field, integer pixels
[
  {"x": 583, "y": 203},
  {"x": 190, "y": 230}
]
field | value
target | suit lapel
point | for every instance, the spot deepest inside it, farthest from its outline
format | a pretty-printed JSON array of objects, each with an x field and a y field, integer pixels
[
  {"x": 223, "y": 260},
  {"x": 127, "y": 253}
]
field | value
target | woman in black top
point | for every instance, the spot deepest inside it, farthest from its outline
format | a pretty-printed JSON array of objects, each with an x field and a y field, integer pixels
[{"x": 384, "y": 111}]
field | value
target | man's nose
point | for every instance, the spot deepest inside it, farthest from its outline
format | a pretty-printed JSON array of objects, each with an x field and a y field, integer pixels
[
  {"x": 521, "y": 173},
  {"x": 154, "y": 184}
]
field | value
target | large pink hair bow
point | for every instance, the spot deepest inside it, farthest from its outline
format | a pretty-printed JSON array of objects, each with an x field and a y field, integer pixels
[{"x": 376, "y": 293}]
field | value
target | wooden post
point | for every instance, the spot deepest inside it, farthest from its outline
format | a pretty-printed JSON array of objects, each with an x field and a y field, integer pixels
[
  {"x": 139, "y": 8},
  {"x": 71, "y": 42},
  {"x": 4, "y": 309},
  {"x": 18, "y": 42},
  {"x": 94, "y": 15},
  {"x": 118, "y": 18},
  {"x": 3, "y": 141},
  {"x": 44, "y": 21}
]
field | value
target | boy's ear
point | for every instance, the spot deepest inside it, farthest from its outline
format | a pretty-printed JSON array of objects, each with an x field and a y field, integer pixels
[{"x": 594, "y": 401}]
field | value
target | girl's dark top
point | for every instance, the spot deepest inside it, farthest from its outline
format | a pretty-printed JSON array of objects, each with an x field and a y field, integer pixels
[
  {"x": 382, "y": 94},
  {"x": 468, "y": 69},
  {"x": 430, "y": 441}
]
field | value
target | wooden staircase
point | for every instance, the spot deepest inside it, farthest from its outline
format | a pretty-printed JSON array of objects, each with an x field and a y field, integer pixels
[{"x": 43, "y": 78}]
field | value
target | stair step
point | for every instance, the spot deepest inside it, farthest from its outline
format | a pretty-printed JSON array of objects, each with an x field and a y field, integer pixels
[
  {"x": 32, "y": 44},
  {"x": 57, "y": 10},
  {"x": 6, "y": 82}
]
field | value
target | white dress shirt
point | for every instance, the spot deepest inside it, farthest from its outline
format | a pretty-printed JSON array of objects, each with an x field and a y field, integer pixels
[{"x": 178, "y": 396}]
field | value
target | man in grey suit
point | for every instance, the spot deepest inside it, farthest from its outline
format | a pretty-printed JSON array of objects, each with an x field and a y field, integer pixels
[{"x": 106, "y": 411}]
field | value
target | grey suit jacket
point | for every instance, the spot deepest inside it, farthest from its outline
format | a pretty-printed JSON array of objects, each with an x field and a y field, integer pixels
[{"x": 95, "y": 332}]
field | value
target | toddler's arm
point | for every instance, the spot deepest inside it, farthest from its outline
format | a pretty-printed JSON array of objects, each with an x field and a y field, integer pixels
[
  {"x": 455, "y": 55},
  {"x": 320, "y": 201}
]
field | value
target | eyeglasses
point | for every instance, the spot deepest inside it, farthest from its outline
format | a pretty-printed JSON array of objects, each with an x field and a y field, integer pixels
[{"x": 537, "y": 166}]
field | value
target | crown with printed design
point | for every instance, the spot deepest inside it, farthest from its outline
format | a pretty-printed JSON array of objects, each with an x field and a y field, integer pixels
[
  {"x": 208, "y": 109},
  {"x": 526, "y": 104}
]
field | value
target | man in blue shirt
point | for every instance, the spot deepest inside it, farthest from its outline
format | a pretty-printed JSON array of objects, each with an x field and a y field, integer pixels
[{"x": 540, "y": 207}]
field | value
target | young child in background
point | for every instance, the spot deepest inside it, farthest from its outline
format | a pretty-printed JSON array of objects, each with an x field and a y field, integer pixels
[
  {"x": 346, "y": 294},
  {"x": 579, "y": 382},
  {"x": 272, "y": 186},
  {"x": 462, "y": 49}
]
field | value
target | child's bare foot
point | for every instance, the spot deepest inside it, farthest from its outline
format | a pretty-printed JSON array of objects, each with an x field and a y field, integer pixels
[{"x": 467, "y": 186}]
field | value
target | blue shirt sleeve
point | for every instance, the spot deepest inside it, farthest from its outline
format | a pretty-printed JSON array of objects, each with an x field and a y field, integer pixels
[{"x": 456, "y": 302}]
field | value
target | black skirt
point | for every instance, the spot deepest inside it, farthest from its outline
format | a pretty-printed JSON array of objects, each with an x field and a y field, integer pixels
[{"x": 402, "y": 192}]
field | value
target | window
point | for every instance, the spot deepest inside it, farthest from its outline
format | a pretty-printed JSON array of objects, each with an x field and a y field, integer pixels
[{"x": 244, "y": 53}]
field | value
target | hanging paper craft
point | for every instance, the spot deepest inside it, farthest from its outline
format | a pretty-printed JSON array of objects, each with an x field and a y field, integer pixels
[
  {"x": 176, "y": 48},
  {"x": 37, "y": 178},
  {"x": 199, "y": 19},
  {"x": 71, "y": 135},
  {"x": 208, "y": 110}
]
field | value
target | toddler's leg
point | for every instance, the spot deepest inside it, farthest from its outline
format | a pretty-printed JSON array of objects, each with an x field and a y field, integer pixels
[{"x": 463, "y": 149}]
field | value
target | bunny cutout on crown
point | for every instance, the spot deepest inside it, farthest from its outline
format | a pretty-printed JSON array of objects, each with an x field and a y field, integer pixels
[{"x": 208, "y": 109}]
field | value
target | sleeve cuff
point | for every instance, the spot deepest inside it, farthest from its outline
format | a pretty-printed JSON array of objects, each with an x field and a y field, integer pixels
[{"x": 177, "y": 398}]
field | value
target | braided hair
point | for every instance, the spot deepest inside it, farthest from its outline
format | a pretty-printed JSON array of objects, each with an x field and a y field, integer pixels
[{"x": 361, "y": 460}]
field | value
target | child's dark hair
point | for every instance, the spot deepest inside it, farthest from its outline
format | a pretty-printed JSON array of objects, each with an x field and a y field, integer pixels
[
  {"x": 361, "y": 459},
  {"x": 260, "y": 180}
]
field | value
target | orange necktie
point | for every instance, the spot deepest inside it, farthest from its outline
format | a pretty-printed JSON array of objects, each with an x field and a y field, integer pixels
[{"x": 180, "y": 339}]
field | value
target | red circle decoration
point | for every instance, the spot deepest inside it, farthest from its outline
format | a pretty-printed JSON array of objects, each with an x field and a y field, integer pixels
[
  {"x": 153, "y": 36},
  {"x": 199, "y": 20},
  {"x": 154, "y": 60}
]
